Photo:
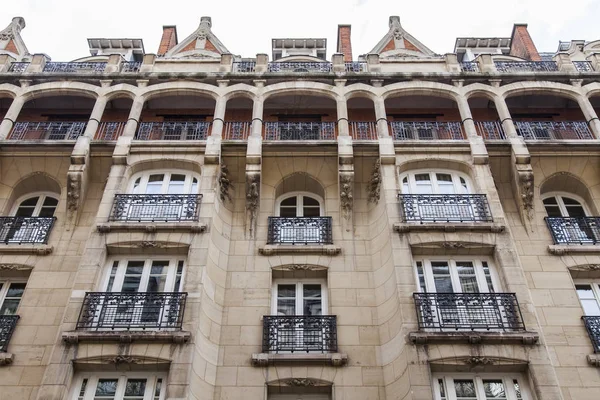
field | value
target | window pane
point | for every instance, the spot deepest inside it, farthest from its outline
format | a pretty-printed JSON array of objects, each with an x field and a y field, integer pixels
[
  {"x": 106, "y": 389},
  {"x": 442, "y": 389},
  {"x": 553, "y": 211},
  {"x": 135, "y": 389},
  {"x": 158, "y": 276},
  {"x": 585, "y": 292},
  {"x": 32, "y": 202},
  {"x": 588, "y": 299},
  {"x": 287, "y": 212},
  {"x": 441, "y": 277},
  {"x": 155, "y": 184},
  {"x": 312, "y": 212},
  {"x": 113, "y": 274},
  {"x": 133, "y": 276},
  {"x": 466, "y": 276},
  {"x": 421, "y": 177},
  {"x": 517, "y": 389},
  {"x": 16, "y": 290},
  {"x": 194, "y": 188},
  {"x": 176, "y": 184},
  {"x": 465, "y": 389},
  {"x": 286, "y": 299},
  {"x": 50, "y": 202},
  {"x": 488, "y": 277},
  {"x": 421, "y": 276},
  {"x": 550, "y": 200},
  {"x": 9, "y": 307},
  {"x": 444, "y": 178},
  {"x": 309, "y": 201},
  {"x": 157, "y": 389},
  {"x": 570, "y": 202},
  {"x": 178, "y": 276},
  {"x": 290, "y": 201},
  {"x": 494, "y": 389},
  {"x": 82, "y": 390}
]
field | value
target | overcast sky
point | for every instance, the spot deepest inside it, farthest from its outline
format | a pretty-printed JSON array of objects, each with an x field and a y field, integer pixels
[{"x": 60, "y": 28}]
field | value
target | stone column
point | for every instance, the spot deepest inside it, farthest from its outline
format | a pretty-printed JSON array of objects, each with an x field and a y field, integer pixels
[
  {"x": 342, "y": 116},
  {"x": 114, "y": 64},
  {"x": 134, "y": 117},
  {"x": 257, "y": 116},
  {"x": 95, "y": 117},
  {"x": 226, "y": 64},
  {"x": 590, "y": 115},
  {"x": 218, "y": 118},
  {"x": 37, "y": 64},
  {"x": 478, "y": 149},
  {"x": 505, "y": 118},
  {"x": 381, "y": 117},
  {"x": 564, "y": 63},
  {"x": 11, "y": 116}
]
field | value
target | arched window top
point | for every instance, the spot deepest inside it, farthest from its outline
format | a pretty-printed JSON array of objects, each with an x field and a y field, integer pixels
[
  {"x": 39, "y": 204},
  {"x": 299, "y": 204},
  {"x": 435, "y": 182},
  {"x": 164, "y": 182},
  {"x": 563, "y": 204}
]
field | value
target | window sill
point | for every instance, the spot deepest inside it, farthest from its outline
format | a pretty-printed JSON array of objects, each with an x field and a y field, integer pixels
[
  {"x": 265, "y": 359},
  {"x": 527, "y": 338},
  {"x": 6, "y": 358},
  {"x": 275, "y": 249},
  {"x": 26, "y": 248},
  {"x": 150, "y": 227},
  {"x": 179, "y": 337},
  {"x": 402, "y": 227},
  {"x": 560, "y": 249}
]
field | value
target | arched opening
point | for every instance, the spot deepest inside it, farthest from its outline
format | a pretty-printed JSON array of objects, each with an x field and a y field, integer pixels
[
  {"x": 114, "y": 118},
  {"x": 56, "y": 117},
  {"x": 361, "y": 119},
  {"x": 547, "y": 117},
  {"x": 486, "y": 118},
  {"x": 299, "y": 389},
  {"x": 176, "y": 117},
  {"x": 421, "y": 117},
  {"x": 5, "y": 103},
  {"x": 299, "y": 116},
  {"x": 238, "y": 118}
]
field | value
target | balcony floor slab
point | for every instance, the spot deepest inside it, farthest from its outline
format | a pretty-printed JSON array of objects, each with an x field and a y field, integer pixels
[
  {"x": 402, "y": 227},
  {"x": 334, "y": 359},
  {"x": 560, "y": 249},
  {"x": 127, "y": 336},
  {"x": 524, "y": 337},
  {"x": 184, "y": 226},
  {"x": 275, "y": 249},
  {"x": 26, "y": 248}
]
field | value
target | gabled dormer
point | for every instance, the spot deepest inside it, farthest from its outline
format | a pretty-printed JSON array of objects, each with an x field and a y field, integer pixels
[
  {"x": 201, "y": 44},
  {"x": 398, "y": 43},
  {"x": 11, "y": 42}
]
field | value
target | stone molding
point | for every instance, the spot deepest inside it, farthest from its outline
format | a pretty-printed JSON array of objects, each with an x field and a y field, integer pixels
[
  {"x": 151, "y": 227},
  {"x": 422, "y": 338},
  {"x": 6, "y": 358},
  {"x": 299, "y": 267},
  {"x": 34, "y": 249},
  {"x": 403, "y": 227},
  {"x": 594, "y": 360},
  {"x": 333, "y": 359},
  {"x": 560, "y": 249},
  {"x": 275, "y": 249},
  {"x": 179, "y": 337}
]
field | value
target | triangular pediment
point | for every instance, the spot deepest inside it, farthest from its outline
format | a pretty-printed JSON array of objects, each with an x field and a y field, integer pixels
[
  {"x": 202, "y": 43},
  {"x": 10, "y": 39},
  {"x": 399, "y": 43}
]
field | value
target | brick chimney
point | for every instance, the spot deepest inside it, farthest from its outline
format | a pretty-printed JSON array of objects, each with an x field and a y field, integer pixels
[
  {"x": 168, "y": 40},
  {"x": 344, "y": 44},
  {"x": 521, "y": 44}
]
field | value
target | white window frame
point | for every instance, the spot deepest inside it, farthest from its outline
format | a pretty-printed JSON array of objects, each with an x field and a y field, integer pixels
[
  {"x": 479, "y": 274},
  {"x": 122, "y": 377},
  {"x": 299, "y": 202},
  {"x": 561, "y": 205},
  {"x": 144, "y": 176},
  {"x": 42, "y": 197},
  {"x": 478, "y": 378},
  {"x": 595, "y": 284},
  {"x": 123, "y": 261},
  {"x": 4, "y": 290},
  {"x": 299, "y": 294},
  {"x": 456, "y": 176}
]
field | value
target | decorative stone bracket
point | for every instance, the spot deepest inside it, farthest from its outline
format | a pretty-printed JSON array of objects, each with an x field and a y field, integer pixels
[
  {"x": 252, "y": 201},
  {"x": 347, "y": 193},
  {"x": 523, "y": 185},
  {"x": 374, "y": 186},
  {"x": 224, "y": 183},
  {"x": 77, "y": 177},
  {"x": 333, "y": 359}
]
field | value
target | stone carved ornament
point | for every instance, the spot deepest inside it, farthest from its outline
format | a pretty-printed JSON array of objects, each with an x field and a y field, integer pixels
[
  {"x": 252, "y": 194},
  {"x": 15, "y": 267},
  {"x": 346, "y": 196},
  {"x": 586, "y": 267},
  {"x": 526, "y": 189},
  {"x": 374, "y": 186},
  {"x": 299, "y": 382},
  {"x": 73, "y": 190},
  {"x": 299, "y": 267},
  {"x": 225, "y": 184}
]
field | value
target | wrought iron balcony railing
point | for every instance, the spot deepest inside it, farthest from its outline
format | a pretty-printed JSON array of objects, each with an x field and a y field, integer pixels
[
  {"x": 109, "y": 311},
  {"x": 468, "y": 311},
  {"x": 75, "y": 67},
  {"x": 299, "y": 66},
  {"x": 526, "y": 66},
  {"x": 18, "y": 230},
  {"x": 173, "y": 130},
  {"x": 490, "y": 130},
  {"x": 363, "y": 130},
  {"x": 8, "y": 324},
  {"x": 571, "y": 130},
  {"x": 583, "y": 66},
  {"x": 445, "y": 208},
  {"x": 299, "y": 230},
  {"x": 242, "y": 67},
  {"x": 109, "y": 130},
  {"x": 18, "y": 67},
  {"x": 592, "y": 325},
  {"x": 131, "y": 66},
  {"x": 403, "y": 130},
  {"x": 299, "y": 333},
  {"x": 47, "y": 130},
  {"x": 574, "y": 230},
  {"x": 237, "y": 130},
  {"x": 155, "y": 207},
  {"x": 299, "y": 130},
  {"x": 469, "y": 66},
  {"x": 356, "y": 66}
]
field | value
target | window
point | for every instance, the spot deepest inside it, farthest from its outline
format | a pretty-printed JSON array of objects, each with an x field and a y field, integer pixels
[
  {"x": 307, "y": 298},
  {"x": 299, "y": 205},
  {"x": 11, "y": 293},
  {"x": 32, "y": 219},
  {"x": 150, "y": 275},
  {"x": 36, "y": 205},
  {"x": 119, "y": 386},
  {"x": 589, "y": 296},
  {"x": 435, "y": 182},
  {"x": 567, "y": 219},
  {"x": 559, "y": 205},
  {"x": 299, "y": 220},
  {"x": 479, "y": 387},
  {"x": 161, "y": 182},
  {"x": 455, "y": 276}
]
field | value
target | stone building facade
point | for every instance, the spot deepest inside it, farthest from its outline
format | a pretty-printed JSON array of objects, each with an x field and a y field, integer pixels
[{"x": 193, "y": 224}]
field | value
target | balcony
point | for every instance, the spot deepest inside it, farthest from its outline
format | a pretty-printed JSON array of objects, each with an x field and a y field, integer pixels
[
  {"x": 574, "y": 230},
  {"x": 104, "y": 311},
  {"x": 19, "y": 230},
  {"x": 300, "y": 67},
  {"x": 109, "y": 130},
  {"x": 131, "y": 67},
  {"x": 526, "y": 66},
  {"x": 299, "y": 334},
  {"x": 237, "y": 130},
  {"x": 468, "y": 312},
  {"x": 47, "y": 130},
  {"x": 592, "y": 325},
  {"x": 75, "y": 67},
  {"x": 356, "y": 66},
  {"x": 469, "y": 66},
  {"x": 425, "y": 208},
  {"x": 7, "y": 327},
  {"x": 363, "y": 130},
  {"x": 18, "y": 67},
  {"x": 243, "y": 67},
  {"x": 583, "y": 66},
  {"x": 299, "y": 130},
  {"x": 490, "y": 130},
  {"x": 299, "y": 230},
  {"x": 571, "y": 130},
  {"x": 197, "y": 130},
  {"x": 155, "y": 207},
  {"x": 401, "y": 130}
]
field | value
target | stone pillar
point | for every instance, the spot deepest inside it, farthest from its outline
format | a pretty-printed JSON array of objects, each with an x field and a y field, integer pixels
[
  {"x": 262, "y": 63},
  {"x": 5, "y": 61},
  {"x": 38, "y": 62},
  {"x": 257, "y": 117},
  {"x": 590, "y": 115},
  {"x": 564, "y": 63},
  {"x": 505, "y": 118},
  {"x": 114, "y": 64},
  {"x": 148, "y": 63},
  {"x": 134, "y": 117},
  {"x": 339, "y": 67},
  {"x": 11, "y": 116},
  {"x": 218, "y": 118},
  {"x": 226, "y": 64},
  {"x": 342, "y": 116},
  {"x": 452, "y": 64},
  {"x": 595, "y": 60},
  {"x": 478, "y": 149},
  {"x": 95, "y": 117},
  {"x": 486, "y": 64},
  {"x": 381, "y": 117},
  {"x": 373, "y": 64}
]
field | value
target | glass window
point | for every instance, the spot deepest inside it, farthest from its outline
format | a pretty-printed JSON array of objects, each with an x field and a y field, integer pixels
[
  {"x": 557, "y": 205},
  {"x": 589, "y": 295},
  {"x": 11, "y": 293},
  {"x": 37, "y": 206},
  {"x": 299, "y": 298},
  {"x": 119, "y": 386},
  {"x": 434, "y": 182},
  {"x": 299, "y": 205},
  {"x": 485, "y": 386},
  {"x": 153, "y": 275},
  {"x": 455, "y": 276},
  {"x": 154, "y": 183}
]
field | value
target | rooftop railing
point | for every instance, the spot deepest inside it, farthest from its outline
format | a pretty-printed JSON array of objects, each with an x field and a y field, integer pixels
[
  {"x": 299, "y": 334},
  {"x": 469, "y": 66},
  {"x": 109, "y": 130},
  {"x": 526, "y": 66},
  {"x": 18, "y": 67},
  {"x": 242, "y": 67},
  {"x": 574, "y": 230},
  {"x": 156, "y": 207},
  {"x": 113, "y": 311},
  {"x": 583, "y": 66},
  {"x": 299, "y": 130},
  {"x": 402, "y": 130},
  {"x": 18, "y": 230},
  {"x": 356, "y": 66},
  {"x": 193, "y": 130},
  {"x": 131, "y": 66},
  {"x": 445, "y": 208},
  {"x": 299, "y": 230},
  {"x": 75, "y": 67},
  {"x": 299, "y": 66},
  {"x": 237, "y": 130},
  {"x": 490, "y": 130},
  {"x": 592, "y": 325},
  {"x": 361, "y": 130},
  {"x": 8, "y": 323},
  {"x": 569, "y": 130},
  {"x": 47, "y": 130}
]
